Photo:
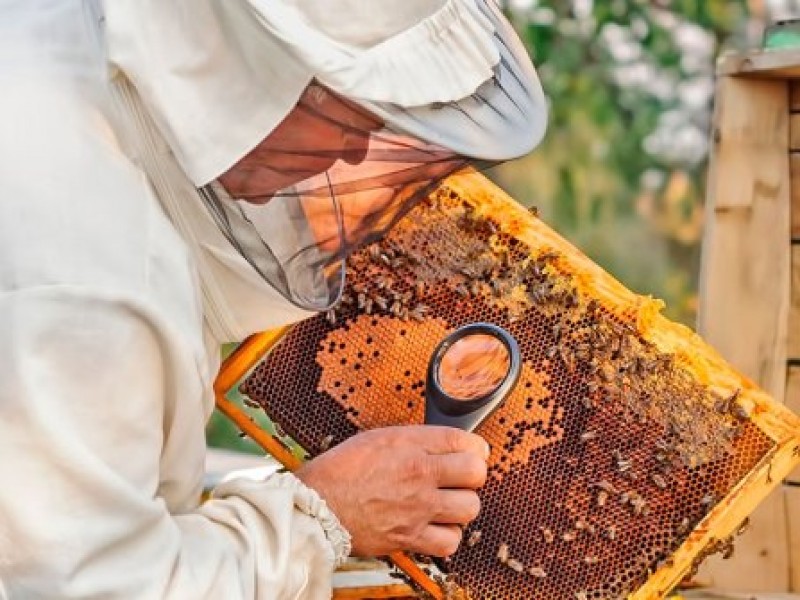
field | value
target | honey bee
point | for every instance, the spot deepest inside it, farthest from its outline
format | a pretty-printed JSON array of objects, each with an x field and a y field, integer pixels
[
  {"x": 473, "y": 538},
  {"x": 515, "y": 565},
  {"x": 606, "y": 487},
  {"x": 591, "y": 560},
  {"x": 547, "y": 535},
  {"x": 661, "y": 458},
  {"x": 727, "y": 548},
  {"x": 418, "y": 314},
  {"x": 740, "y": 412},
  {"x": 743, "y": 527},
  {"x": 502, "y": 553},
  {"x": 663, "y": 445},
  {"x": 684, "y": 526},
  {"x": 639, "y": 506},
  {"x": 659, "y": 481},
  {"x": 537, "y": 572},
  {"x": 624, "y": 466},
  {"x": 571, "y": 298},
  {"x": 250, "y": 403},
  {"x": 548, "y": 256},
  {"x": 568, "y": 536},
  {"x": 325, "y": 444}
]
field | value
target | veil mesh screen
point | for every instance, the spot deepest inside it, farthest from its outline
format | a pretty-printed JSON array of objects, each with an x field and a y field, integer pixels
[{"x": 604, "y": 458}]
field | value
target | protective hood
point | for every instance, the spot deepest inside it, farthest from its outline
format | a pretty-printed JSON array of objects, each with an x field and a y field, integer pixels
[{"x": 352, "y": 158}]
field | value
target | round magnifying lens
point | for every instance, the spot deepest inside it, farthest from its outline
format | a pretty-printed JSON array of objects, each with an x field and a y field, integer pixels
[
  {"x": 473, "y": 367},
  {"x": 470, "y": 374}
]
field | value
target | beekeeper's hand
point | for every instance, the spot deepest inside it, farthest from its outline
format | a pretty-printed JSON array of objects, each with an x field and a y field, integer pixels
[{"x": 402, "y": 488}]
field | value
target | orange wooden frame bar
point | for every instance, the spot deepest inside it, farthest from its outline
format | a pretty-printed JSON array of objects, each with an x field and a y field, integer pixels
[{"x": 232, "y": 370}]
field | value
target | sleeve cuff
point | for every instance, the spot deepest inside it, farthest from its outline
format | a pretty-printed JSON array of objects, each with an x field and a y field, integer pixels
[
  {"x": 305, "y": 499},
  {"x": 311, "y": 503}
]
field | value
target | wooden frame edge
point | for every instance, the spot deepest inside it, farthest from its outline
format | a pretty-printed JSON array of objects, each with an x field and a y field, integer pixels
[{"x": 232, "y": 370}]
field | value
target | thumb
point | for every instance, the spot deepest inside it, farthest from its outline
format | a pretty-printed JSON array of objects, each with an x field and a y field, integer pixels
[{"x": 437, "y": 439}]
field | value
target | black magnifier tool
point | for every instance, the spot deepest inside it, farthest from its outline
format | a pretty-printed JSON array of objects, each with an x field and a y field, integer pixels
[{"x": 471, "y": 372}]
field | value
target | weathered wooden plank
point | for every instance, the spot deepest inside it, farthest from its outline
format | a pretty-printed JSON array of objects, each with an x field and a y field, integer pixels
[
  {"x": 761, "y": 560},
  {"x": 744, "y": 285},
  {"x": 794, "y": 307},
  {"x": 744, "y": 280},
  {"x": 794, "y": 96},
  {"x": 793, "y": 517},
  {"x": 793, "y": 402},
  {"x": 778, "y": 64},
  {"x": 794, "y": 131},
  {"x": 793, "y": 388},
  {"x": 397, "y": 592},
  {"x": 794, "y": 160}
]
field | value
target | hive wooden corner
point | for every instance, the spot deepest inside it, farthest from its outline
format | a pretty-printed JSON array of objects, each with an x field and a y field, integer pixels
[{"x": 750, "y": 278}]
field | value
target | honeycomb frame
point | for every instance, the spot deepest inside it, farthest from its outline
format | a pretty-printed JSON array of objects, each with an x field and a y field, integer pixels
[{"x": 706, "y": 366}]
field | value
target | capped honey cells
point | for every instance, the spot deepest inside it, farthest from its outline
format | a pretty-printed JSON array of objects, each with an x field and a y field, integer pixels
[{"x": 603, "y": 459}]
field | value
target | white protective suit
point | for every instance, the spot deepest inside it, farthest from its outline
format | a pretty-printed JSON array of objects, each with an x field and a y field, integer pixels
[{"x": 110, "y": 116}]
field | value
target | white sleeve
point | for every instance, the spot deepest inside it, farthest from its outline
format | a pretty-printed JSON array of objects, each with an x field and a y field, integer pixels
[
  {"x": 82, "y": 431},
  {"x": 103, "y": 370},
  {"x": 214, "y": 82}
]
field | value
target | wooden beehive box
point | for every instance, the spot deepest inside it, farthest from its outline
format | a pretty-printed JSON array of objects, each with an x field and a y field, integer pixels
[{"x": 751, "y": 278}]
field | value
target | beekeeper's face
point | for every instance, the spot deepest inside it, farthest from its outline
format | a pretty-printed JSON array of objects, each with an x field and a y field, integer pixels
[{"x": 320, "y": 130}]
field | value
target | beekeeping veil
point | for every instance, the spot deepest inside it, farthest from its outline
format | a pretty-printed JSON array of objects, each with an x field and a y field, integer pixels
[{"x": 402, "y": 95}]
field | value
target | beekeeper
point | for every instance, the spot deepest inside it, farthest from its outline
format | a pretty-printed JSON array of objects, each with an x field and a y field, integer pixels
[{"x": 175, "y": 174}]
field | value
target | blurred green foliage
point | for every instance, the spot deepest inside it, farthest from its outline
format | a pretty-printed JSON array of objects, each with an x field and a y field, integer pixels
[{"x": 621, "y": 172}]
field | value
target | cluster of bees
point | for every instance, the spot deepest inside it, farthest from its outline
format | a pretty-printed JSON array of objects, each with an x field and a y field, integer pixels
[
  {"x": 724, "y": 547},
  {"x": 396, "y": 275},
  {"x": 505, "y": 558},
  {"x": 387, "y": 293}
]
